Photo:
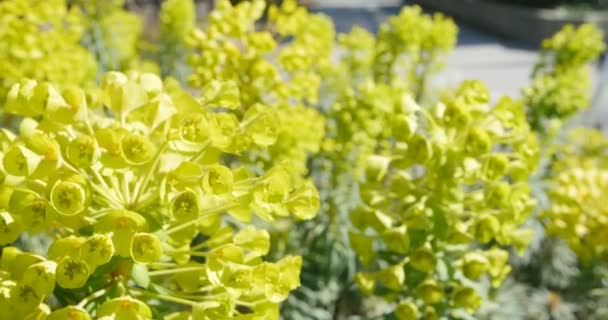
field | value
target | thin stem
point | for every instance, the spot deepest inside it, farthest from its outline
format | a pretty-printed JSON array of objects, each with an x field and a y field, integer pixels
[
  {"x": 163, "y": 297},
  {"x": 201, "y": 152},
  {"x": 172, "y": 271},
  {"x": 115, "y": 184},
  {"x": 91, "y": 297},
  {"x": 104, "y": 197},
  {"x": 124, "y": 179},
  {"x": 105, "y": 189},
  {"x": 140, "y": 188},
  {"x": 205, "y": 214}
]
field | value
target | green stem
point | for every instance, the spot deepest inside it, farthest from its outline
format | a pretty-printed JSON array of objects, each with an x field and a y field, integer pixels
[
  {"x": 163, "y": 297},
  {"x": 91, "y": 297},
  {"x": 176, "y": 270},
  {"x": 140, "y": 188},
  {"x": 204, "y": 215}
]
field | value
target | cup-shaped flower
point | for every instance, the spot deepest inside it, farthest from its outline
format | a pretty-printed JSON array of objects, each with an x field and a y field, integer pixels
[
  {"x": 123, "y": 224},
  {"x": 68, "y": 198},
  {"x": 82, "y": 152},
  {"x": 124, "y": 308},
  {"x": 185, "y": 206},
  {"x": 97, "y": 250},
  {"x": 467, "y": 298},
  {"x": 20, "y": 161},
  {"x": 406, "y": 310},
  {"x": 72, "y": 273},
  {"x": 41, "y": 277},
  {"x": 430, "y": 291},
  {"x": 10, "y": 228},
  {"x": 423, "y": 259},
  {"x": 218, "y": 180},
  {"x": 69, "y": 313},
  {"x": 136, "y": 149},
  {"x": 68, "y": 246},
  {"x": 146, "y": 248},
  {"x": 495, "y": 166},
  {"x": 256, "y": 241},
  {"x": 474, "y": 264},
  {"x": 393, "y": 277},
  {"x": 304, "y": 203}
]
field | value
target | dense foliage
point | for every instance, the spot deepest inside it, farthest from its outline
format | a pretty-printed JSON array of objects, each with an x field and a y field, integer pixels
[{"x": 260, "y": 166}]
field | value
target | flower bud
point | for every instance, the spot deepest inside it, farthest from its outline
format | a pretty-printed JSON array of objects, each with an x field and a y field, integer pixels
[
  {"x": 419, "y": 149},
  {"x": 423, "y": 259},
  {"x": 393, "y": 277},
  {"x": 376, "y": 168},
  {"x": 495, "y": 166},
  {"x": 430, "y": 292},
  {"x": 406, "y": 311},
  {"x": 485, "y": 228},
  {"x": 467, "y": 298},
  {"x": 397, "y": 239},
  {"x": 474, "y": 265},
  {"x": 477, "y": 142},
  {"x": 366, "y": 282},
  {"x": 262, "y": 125}
]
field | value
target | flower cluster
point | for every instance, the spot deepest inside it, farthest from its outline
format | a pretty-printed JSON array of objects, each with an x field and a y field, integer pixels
[
  {"x": 245, "y": 66},
  {"x": 132, "y": 188},
  {"x": 40, "y": 40},
  {"x": 561, "y": 82},
  {"x": 578, "y": 211},
  {"x": 412, "y": 43},
  {"x": 366, "y": 88},
  {"x": 439, "y": 204}
]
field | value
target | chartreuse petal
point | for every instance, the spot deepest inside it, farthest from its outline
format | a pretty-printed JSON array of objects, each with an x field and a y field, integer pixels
[
  {"x": 69, "y": 313},
  {"x": 125, "y": 308}
]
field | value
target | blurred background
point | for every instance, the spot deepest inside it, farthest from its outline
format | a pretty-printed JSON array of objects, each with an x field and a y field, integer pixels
[{"x": 497, "y": 43}]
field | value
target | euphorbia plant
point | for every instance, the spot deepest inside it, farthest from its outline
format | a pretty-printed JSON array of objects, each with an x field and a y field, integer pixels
[{"x": 140, "y": 206}]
